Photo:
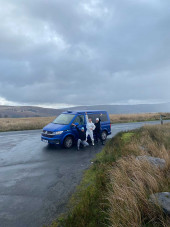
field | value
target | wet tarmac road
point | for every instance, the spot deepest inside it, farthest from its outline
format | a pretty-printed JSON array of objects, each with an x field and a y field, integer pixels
[{"x": 36, "y": 181}]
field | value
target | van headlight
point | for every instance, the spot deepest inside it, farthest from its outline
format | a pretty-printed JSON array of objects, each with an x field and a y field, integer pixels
[{"x": 57, "y": 133}]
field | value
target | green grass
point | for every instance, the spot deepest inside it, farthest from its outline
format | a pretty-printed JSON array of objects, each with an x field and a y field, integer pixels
[{"x": 126, "y": 137}]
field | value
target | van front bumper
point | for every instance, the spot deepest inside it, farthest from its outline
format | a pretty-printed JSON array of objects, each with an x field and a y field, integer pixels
[{"x": 50, "y": 140}]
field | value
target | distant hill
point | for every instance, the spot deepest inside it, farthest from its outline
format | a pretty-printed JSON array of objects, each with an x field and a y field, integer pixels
[
  {"x": 127, "y": 109},
  {"x": 27, "y": 111},
  {"x": 32, "y": 111}
]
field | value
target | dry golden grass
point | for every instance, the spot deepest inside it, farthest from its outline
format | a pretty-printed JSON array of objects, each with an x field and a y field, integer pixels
[
  {"x": 119, "y": 118},
  {"x": 132, "y": 181},
  {"x": 16, "y": 124}
]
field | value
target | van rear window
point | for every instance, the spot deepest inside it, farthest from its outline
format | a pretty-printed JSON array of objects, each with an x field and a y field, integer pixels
[{"x": 63, "y": 119}]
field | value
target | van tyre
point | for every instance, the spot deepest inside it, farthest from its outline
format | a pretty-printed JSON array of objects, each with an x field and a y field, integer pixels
[
  {"x": 68, "y": 142},
  {"x": 104, "y": 135}
]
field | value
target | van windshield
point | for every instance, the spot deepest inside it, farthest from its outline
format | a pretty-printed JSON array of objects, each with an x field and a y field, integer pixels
[{"x": 63, "y": 119}]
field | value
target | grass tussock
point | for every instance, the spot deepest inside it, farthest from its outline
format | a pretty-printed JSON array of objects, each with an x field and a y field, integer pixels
[
  {"x": 132, "y": 181},
  {"x": 17, "y": 124},
  {"x": 115, "y": 190}
]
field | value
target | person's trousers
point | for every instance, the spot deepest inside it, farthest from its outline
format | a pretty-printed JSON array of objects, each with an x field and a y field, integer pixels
[
  {"x": 85, "y": 144},
  {"x": 90, "y": 133},
  {"x": 98, "y": 136}
]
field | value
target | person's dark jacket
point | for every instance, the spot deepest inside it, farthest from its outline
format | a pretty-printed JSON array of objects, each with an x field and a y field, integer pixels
[
  {"x": 82, "y": 134},
  {"x": 98, "y": 126}
]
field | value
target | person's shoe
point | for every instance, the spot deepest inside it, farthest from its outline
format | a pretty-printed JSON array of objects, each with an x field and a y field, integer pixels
[
  {"x": 78, "y": 148},
  {"x": 93, "y": 143}
]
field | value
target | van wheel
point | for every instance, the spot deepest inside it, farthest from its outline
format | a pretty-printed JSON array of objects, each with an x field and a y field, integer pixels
[
  {"x": 68, "y": 142},
  {"x": 104, "y": 135}
]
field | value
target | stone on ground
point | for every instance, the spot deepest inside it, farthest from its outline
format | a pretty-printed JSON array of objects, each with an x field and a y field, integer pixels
[
  {"x": 163, "y": 200},
  {"x": 158, "y": 162}
]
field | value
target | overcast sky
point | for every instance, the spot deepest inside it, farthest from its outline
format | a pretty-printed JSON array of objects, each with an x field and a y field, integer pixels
[{"x": 84, "y": 52}]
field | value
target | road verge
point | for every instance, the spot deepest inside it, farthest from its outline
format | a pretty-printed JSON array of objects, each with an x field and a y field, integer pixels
[{"x": 115, "y": 190}]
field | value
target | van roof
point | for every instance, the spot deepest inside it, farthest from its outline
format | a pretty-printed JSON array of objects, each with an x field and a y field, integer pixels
[{"x": 84, "y": 111}]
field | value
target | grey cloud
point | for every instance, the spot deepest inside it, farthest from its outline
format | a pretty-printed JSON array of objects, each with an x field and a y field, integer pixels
[{"x": 86, "y": 52}]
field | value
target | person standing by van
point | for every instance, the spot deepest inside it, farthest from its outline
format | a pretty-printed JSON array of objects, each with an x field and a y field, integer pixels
[
  {"x": 81, "y": 137},
  {"x": 98, "y": 130},
  {"x": 90, "y": 128}
]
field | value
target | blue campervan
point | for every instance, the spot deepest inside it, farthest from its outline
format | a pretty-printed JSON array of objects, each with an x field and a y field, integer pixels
[{"x": 61, "y": 131}]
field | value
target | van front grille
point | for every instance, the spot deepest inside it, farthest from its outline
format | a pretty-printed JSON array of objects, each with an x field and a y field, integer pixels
[{"x": 48, "y": 136}]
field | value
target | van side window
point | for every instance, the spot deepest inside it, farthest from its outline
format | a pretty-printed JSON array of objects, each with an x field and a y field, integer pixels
[
  {"x": 91, "y": 116},
  {"x": 79, "y": 119},
  {"x": 104, "y": 117},
  {"x": 94, "y": 116}
]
